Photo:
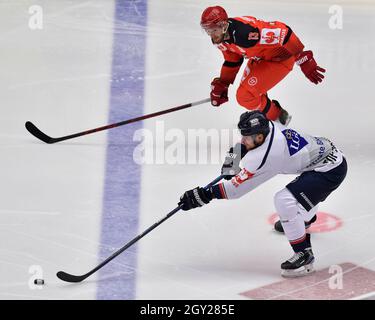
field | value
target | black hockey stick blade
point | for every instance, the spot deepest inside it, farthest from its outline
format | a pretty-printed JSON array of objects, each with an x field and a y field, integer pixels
[
  {"x": 39, "y": 134},
  {"x": 70, "y": 277}
]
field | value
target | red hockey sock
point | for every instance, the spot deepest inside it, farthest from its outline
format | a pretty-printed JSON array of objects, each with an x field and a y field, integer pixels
[{"x": 270, "y": 109}]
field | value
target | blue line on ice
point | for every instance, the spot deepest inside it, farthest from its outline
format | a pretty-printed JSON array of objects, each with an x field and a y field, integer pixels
[{"x": 123, "y": 176}]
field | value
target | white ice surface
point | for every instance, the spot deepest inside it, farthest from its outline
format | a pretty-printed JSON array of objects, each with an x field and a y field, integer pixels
[{"x": 58, "y": 78}]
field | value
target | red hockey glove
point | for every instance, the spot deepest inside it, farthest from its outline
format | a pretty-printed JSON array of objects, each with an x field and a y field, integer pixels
[
  {"x": 219, "y": 92},
  {"x": 309, "y": 67}
]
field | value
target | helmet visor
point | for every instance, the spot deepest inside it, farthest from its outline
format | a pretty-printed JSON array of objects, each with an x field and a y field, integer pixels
[{"x": 213, "y": 30}]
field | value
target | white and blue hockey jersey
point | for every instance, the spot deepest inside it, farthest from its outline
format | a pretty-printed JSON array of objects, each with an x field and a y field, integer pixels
[{"x": 284, "y": 151}]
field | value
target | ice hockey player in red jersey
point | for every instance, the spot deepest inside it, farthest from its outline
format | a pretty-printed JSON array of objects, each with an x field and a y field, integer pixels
[
  {"x": 267, "y": 149},
  {"x": 272, "y": 49}
]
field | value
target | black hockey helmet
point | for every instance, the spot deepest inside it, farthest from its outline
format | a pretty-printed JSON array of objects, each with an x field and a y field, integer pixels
[{"x": 253, "y": 122}]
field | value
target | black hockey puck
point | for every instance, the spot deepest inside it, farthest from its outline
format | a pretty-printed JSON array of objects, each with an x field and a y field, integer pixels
[{"x": 39, "y": 281}]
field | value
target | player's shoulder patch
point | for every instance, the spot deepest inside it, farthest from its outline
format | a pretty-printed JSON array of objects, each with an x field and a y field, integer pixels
[{"x": 294, "y": 141}]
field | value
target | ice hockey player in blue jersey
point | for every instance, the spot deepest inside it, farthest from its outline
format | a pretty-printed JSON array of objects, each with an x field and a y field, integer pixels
[{"x": 267, "y": 149}]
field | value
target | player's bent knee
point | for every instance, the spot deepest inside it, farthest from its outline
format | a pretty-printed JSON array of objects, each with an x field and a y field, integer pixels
[
  {"x": 248, "y": 99},
  {"x": 285, "y": 204}
]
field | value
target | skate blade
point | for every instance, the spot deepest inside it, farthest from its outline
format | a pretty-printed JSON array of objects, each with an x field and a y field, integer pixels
[{"x": 300, "y": 272}]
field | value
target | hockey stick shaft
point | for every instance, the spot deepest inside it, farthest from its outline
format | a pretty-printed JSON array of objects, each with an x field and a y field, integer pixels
[
  {"x": 36, "y": 132},
  {"x": 73, "y": 278}
]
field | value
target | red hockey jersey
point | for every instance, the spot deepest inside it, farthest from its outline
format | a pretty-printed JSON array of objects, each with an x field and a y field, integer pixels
[{"x": 255, "y": 39}]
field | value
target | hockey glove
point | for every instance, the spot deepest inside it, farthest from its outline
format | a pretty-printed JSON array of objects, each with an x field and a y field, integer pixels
[
  {"x": 219, "y": 92},
  {"x": 231, "y": 165},
  {"x": 194, "y": 198},
  {"x": 309, "y": 67}
]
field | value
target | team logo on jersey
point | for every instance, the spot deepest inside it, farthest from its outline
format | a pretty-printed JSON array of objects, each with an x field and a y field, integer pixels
[
  {"x": 253, "y": 81},
  {"x": 241, "y": 177},
  {"x": 270, "y": 36},
  {"x": 294, "y": 140}
]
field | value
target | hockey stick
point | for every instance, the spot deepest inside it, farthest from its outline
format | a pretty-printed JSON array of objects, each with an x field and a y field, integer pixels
[
  {"x": 72, "y": 278},
  {"x": 33, "y": 129}
]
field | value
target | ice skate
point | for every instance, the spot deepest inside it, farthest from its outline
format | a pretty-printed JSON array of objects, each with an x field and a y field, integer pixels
[{"x": 299, "y": 265}]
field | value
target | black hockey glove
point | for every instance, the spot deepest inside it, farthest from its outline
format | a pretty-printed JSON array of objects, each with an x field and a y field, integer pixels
[
  {"x": 231, "y": 165},
  {"x": 194, "y": 198}
]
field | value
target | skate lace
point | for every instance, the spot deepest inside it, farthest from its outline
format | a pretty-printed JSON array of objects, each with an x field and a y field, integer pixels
[{"x": 296, "y": 257}]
